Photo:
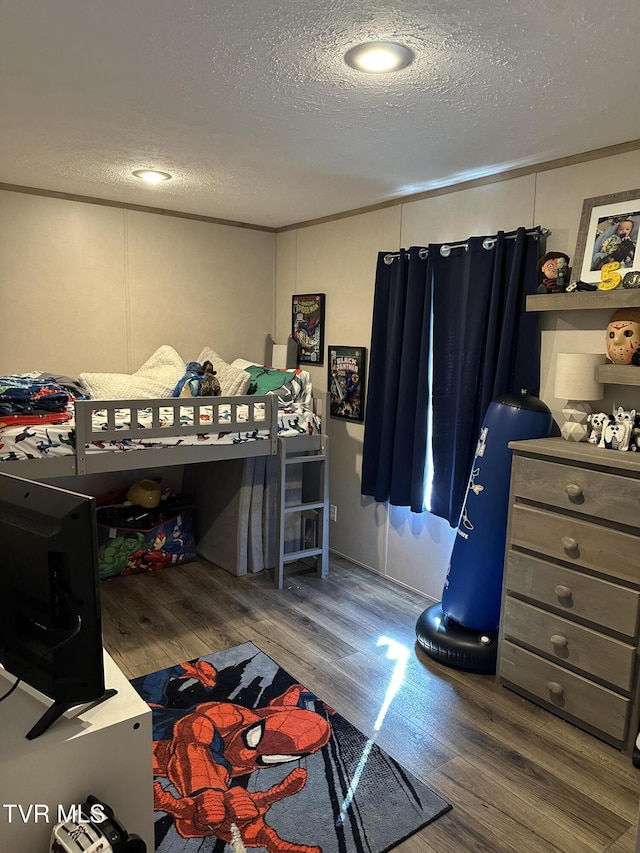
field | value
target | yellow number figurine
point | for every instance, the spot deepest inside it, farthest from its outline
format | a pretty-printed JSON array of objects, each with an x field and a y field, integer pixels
[{"x": 610, "y": 278}]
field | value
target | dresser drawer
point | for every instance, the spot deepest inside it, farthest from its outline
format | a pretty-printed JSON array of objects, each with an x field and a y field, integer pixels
[
  {"x": 596, "y": 493},
  {"x": 569, "y": 643},
  {"x": 584, "y": 543},
  {"x": 582, "y": 596},
  {"x": 565, "y": 691}
]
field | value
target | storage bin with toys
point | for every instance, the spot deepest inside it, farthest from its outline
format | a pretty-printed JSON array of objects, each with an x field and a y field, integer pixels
[{"x": 142, "y": 529}]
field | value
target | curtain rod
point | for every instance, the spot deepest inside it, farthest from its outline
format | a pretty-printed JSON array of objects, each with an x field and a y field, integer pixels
[{"x": 487, "y": 243}]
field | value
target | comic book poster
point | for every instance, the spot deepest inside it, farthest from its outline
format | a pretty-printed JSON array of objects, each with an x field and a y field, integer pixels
[
  {"x": 347, "y": 367},
  {"x": 308, "y": 327}
]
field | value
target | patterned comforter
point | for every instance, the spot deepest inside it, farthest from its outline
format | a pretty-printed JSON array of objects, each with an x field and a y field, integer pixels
[{"x": 56, "y": 437}]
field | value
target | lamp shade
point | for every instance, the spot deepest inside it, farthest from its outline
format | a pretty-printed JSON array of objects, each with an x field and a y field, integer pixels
[{"x": 576, "y": 376}]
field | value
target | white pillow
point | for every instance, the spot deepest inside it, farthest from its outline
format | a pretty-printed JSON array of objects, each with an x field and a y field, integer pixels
[
  {"x": 242, "y": 363},
  {"x": 233, "y": 380},
  {"x": 157, "y": 377}
]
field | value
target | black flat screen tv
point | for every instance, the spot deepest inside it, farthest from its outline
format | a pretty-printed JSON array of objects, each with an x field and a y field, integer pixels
[{"x": 50, "y": 622}]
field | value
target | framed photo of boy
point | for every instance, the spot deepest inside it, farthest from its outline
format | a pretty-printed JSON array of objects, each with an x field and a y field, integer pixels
[
  {"x": 608, "y": 232},
  {"x": 307, "y": 327},
  {"x": 347, "y": 370}
]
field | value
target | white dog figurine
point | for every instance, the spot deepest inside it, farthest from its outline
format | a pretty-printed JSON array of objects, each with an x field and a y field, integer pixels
[
  {"x": 616, "y": 435},
  {"x": 597, "y": 421}
]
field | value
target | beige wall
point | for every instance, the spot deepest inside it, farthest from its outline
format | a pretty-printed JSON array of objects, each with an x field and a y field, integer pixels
[
  {"x": 86, "y": 287},
  {"x": 559, "y": 198},
  {"x": 338, "y": 258},
  {"x": 91, "y": 288}
]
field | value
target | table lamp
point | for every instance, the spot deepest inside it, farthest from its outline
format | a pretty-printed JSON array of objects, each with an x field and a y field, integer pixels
[{"x": 576, "y": 383}]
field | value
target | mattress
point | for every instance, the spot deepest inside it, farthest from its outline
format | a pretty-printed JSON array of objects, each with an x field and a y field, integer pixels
[{"x": 47, "y": 439}]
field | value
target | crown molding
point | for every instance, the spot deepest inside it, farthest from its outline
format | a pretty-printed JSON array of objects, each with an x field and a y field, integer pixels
[
  {"x": 547, "y": 166},
  {"x": 510, "y": 174},
  {"x": 141, "y": 208}
]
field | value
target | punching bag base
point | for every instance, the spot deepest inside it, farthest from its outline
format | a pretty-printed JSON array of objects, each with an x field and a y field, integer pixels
[{"x": 452, "y": 644}]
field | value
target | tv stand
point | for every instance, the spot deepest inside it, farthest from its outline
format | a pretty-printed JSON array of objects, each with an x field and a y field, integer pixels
[
  {"x": 105, "y": 750},
  {"x": 57, "y": 709}
]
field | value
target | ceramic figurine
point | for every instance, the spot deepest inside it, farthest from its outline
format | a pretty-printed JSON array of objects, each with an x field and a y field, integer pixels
[
  {"x": 555, "y": 271},
  {"x": 621, "y": 415},
  {"x": 623, "y": 336},
  {"x": 616, "y": 435},
  {"x": 610, "y": 278},
  {"x": 597, "y": 421}
]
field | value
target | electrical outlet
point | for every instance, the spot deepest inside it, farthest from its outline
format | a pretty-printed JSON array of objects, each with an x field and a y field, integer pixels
[{"x": 333, "y": 512}]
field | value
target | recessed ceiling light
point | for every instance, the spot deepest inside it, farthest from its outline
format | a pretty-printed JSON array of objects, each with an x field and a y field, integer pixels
[
  {"x": 152, "y": 176},
  {"x": 377, "y": 57}
]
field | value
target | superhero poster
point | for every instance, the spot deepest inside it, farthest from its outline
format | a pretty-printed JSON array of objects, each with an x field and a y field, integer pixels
[
  {"x": 307, "y": 327},
  {"x": 347, "y": 367}
]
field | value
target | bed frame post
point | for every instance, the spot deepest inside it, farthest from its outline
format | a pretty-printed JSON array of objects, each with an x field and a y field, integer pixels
[
  {"x": 273, "y": 424},
  {"x": 83, "y": 413}
]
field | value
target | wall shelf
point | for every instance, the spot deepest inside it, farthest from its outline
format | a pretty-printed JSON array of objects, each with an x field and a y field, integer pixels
[
  {"x": 618, "y": 298},
  {"x": 618, "y": 374},
  {"x": 608, "y": 374}
]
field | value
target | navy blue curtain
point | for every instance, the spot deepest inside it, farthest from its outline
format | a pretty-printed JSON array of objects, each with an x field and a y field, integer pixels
[
  {"x": 396, "y": 419},
  {"x": 466, "y": 307}
]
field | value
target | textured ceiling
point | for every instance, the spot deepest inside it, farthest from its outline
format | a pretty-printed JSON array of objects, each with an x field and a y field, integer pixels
[{"x": 250, "y": 106}]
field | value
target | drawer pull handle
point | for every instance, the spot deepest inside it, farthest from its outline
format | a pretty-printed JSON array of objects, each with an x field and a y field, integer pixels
[
  {"x": 559, "y": 640},
  {"x": 563, "y": 591},
  {"x": 554, "y": 688},
  {"x": 569, "y": 543},
  {"x": 573, "y": 490}
]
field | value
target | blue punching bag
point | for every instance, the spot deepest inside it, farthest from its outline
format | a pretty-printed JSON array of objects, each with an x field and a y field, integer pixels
[{"x": 462, "y": 630}]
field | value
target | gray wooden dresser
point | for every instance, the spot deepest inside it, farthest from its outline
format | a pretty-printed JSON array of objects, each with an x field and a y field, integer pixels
[{"x": 571, "y": 593}]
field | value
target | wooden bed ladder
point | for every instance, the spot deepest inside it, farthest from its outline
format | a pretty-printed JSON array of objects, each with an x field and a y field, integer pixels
[{"x": 303, "y": 507}]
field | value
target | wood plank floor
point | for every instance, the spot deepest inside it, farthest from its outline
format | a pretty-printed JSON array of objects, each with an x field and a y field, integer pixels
[{"x": 520, "y": 780}]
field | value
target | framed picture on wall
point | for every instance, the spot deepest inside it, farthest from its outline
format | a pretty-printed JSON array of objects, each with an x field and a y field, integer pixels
[
  {"x": 608, "y": 233},
  {"x": 346, "y": 380},
  {"x": 307, "y": 327}
]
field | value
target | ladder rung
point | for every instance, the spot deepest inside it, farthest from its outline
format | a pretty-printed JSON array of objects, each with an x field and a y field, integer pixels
[
  {"x": 293, "y": 460},
  {"x": 303, "y": 507},
  {"x": 292, "y": 556}
]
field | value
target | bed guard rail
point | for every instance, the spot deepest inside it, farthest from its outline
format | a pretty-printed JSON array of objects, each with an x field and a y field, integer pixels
[{"x": 173, "y": 416}]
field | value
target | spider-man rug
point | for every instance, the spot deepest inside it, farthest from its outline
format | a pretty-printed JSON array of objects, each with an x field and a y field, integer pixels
[{"x": 245, "y": 756}]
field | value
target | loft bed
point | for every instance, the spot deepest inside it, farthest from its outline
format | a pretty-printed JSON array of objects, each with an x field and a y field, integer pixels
[
  {"x": 241, "y": 431},
  {"x": 123, "y": 435}
]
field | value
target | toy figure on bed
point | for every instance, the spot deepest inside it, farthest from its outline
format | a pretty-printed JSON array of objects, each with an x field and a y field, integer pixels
[
  {"x": 209, "y": 385},
  {"x": 554, "y": 267},
  {"x": 199, "y": 380}
]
